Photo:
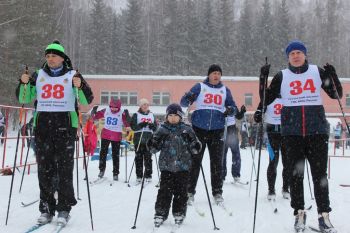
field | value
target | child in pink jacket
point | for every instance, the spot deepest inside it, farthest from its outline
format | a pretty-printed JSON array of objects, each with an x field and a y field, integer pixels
[{"x": 111, "y": 133}]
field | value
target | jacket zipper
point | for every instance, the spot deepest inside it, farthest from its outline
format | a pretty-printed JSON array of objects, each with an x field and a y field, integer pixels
[
  {"x": 303, "y": 120},
  {"x": 211, "y": 117}
]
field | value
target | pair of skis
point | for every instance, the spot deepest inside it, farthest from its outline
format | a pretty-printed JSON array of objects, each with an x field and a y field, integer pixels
[{"x": 37, "y": 226}]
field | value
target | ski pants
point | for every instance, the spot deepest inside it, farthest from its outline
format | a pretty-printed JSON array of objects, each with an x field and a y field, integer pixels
[
  {"x": 143, "y": 157},
  {"x": 314, "y": 148},
  {"x": 55, "y": 158},
  {"x": 232, "y": 142},
  {"x": 115, "y": 155},
  {"x": 212, "y": 139},
  {"x": 276, "y": 143},
  {"x": 173, "y": 186}
]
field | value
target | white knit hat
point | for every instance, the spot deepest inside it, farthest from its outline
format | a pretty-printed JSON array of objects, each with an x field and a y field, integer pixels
[{"x": 143, "y": 101}]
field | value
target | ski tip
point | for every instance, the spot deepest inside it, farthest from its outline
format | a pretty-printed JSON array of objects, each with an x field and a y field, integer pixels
[{"x": 275, "y": 210}]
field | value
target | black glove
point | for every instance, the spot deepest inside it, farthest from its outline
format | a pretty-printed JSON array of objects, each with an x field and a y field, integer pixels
[
  {"x": 94, "y": 110},
  {"x": 126, "y": 112},
  {"x": 191, "y": 97},
  {"x": 143, "y": 124},
  {"x": 229, "y": 111},
  {"x": 243, "y": 109},
  {"x": 258, "y": 116},
  {"x": 265, "y": 70},
  {"x": 196, "y": 147},
  {"x": 329, "y": 69},
  {"x": 185, "y": 136}
]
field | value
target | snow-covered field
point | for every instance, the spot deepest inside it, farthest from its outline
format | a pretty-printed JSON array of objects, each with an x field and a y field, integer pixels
[{"x": 114, "y": 207}]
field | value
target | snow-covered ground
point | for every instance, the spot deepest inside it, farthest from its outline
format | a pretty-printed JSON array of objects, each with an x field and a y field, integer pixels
[{"x": 114, "y": 207}]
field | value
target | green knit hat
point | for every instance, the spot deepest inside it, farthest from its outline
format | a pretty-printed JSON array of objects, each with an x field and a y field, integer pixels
[{"x": 55, "y": 48}]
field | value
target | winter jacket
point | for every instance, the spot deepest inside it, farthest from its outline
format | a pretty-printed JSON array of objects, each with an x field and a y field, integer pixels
[
  {"x": 208, "y": 119},
  {"x": 136, "y": 127},
  {"x": 306, "y": 119},
  {"x": 56, "y": 119},
  {"x": 108, "y": 134},
  {"x": 177, "y": 143}
]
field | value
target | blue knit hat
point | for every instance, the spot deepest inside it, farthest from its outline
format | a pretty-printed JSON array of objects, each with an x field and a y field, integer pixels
[
  {"x": 296, "y": 45},
  {"x": 174, "y": 109}
]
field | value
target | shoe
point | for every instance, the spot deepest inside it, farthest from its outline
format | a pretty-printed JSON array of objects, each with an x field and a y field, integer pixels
[
  {"x": 138, "y": 180},
  {"x": 218, "y": 199},
  {"x": 45, "y": 218},
  {"x": 300, "y": 221},
  {"x": 179, "y": 219},
  {"x": 115, "y": 177},
  {"x": 158, "y": 220},
  {"x": 271, "y": 195},
  {"x": 325, "y": 224},
  {"x": 190, "y": 199},
  {"x": 148, "y": 180},
  {"x": 285, "y": 194},
  {"x": 63, "y": 218},
  {"x": 237, "y": 179},
  {"x": 101, "y": 174}
]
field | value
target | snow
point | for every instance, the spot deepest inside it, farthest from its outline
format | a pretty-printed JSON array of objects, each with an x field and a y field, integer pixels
[{"x": 114, "y": 207}]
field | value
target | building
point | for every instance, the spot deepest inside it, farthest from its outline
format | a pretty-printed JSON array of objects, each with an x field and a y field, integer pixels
[{"x": 163, "y": 90}]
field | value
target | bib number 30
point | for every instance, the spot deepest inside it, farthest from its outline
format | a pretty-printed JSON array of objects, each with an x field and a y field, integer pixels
[
  {"x": 298, "y": 87},
  {"x": 210, "y": 98}
]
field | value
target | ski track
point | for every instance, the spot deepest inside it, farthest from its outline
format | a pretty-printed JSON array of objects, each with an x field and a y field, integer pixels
[{"x": 114, "y": 207}]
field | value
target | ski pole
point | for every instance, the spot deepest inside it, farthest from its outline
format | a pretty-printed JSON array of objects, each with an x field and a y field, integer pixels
[
  {"x": 251, "y": 149},
  {"x": 261, "y": 131},
  {"x": 210, "y": 206},
  {"x": 25, "y": 163},
  {"x": 155, "y": 156},
  {"x": 224, "y": 155},
  {"x": 308, "y": 178},
  {"x": 138, "y": 203},
  {"x": 77, "y": 161},
  {"x": 126, "y": 165},
  {"x": 251, "y": 171},
  {"x": 138, "y": 146},
  {"x": 18, "y": 136},
  {"x": 84, "y": 158}
]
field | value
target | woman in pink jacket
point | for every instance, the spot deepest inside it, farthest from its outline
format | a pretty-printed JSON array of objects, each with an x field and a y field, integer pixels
[{"x": 111, "y": 133}]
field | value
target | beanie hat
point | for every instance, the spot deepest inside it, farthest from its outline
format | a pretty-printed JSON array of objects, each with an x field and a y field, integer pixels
[
  {"x": 214, "y": 68},
  {"x": 55, "y": 48},
  {"x": 143, "y": 101},
  {"x": 296, "y": 45},
  {"x": 174, "y": 109},
  {"x": 115, "y": 103}
]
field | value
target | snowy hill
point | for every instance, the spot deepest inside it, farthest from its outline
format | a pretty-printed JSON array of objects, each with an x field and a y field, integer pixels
[{"x": 114, "y": 207}]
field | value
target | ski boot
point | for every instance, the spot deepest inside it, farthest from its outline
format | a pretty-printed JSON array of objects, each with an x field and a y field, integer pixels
[
  {"x": 325, "y": 224},
  {"x": 300, "y": 220}
]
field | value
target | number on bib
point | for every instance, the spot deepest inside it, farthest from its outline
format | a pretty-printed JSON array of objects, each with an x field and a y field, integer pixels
[
  {"x": 297, "y": 89},
  {"x": 210, "y": 98},
  {"x": 56, "y": 91}
]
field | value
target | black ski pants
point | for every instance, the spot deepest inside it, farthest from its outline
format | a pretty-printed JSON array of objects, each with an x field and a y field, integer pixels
[
  {"x": 115, "y": 155},
  {"x": 314, "y": 148},
  {"x": 173, "y": 186},
  {"x": 276, "y": 143},
  {"x": 212, "y": 139},
  {"x": 143, "y": 157},
  {"x": 55, "y": 157}
]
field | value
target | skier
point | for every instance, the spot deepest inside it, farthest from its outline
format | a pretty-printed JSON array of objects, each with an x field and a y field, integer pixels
[
  {"x": 232, "y": 142},
  {"x": 273, "y": 129},
  {"x": 111, "y": 133},
  {"x": 143, "y": 124},
  {"x": 178, "y": 145},
  {"x": 244, "y": 134},
  {"x": 213, "y": 102},
  {"x": 55, "y": 87},
  {"x": 338, "y": 129},
  {"x": 304, "y": 127},
  {"x": 2, "y": 127}
]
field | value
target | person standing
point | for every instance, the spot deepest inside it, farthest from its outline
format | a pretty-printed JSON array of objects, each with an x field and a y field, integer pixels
[
  {"x": 55, "y": 87},
  {"x": 2, "y": 127},
  {"x": 111, "y": 133},
  {"x": 244, "y": 134},
  {"x": 178, "y": 145},
  {"x": 338, "y": 130},
  {"x": 304, "y": 127},
  {"x": 232, "y": 142},
  {"x": 143, "y": 124},
  {"x": 213, "y": 102},
  {"x": 275, "y": 141}
]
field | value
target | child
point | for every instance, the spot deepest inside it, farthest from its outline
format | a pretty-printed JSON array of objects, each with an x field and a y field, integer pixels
[
  {"x": 143, "y": 123},
  {"x": 111, "y": 133},
  {"x": 177, "y": 142}
]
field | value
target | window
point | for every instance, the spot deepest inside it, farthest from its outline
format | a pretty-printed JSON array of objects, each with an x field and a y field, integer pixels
[
  {"x": 161, "y": 98},
  {"x": 248, "y": 99},
  {"x": 104, "y": 98},
  {"x": 127, "y": 98},
  {"x": 347, "y": 100}
]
